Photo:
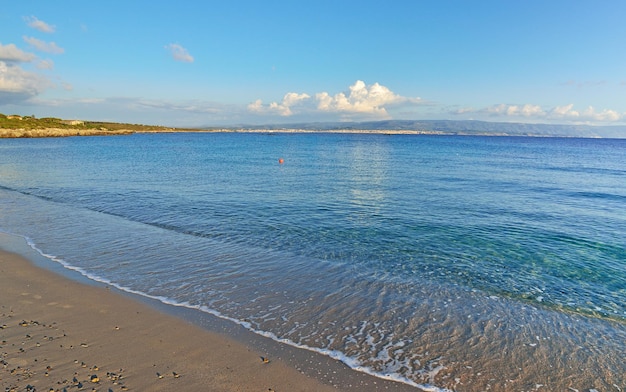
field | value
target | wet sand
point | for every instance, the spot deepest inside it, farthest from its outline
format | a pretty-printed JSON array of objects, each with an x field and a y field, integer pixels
[{"x": 59, "y": 334}]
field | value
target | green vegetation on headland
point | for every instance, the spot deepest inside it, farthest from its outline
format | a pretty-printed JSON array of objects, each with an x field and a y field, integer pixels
[{"x": 14, "y": 126}]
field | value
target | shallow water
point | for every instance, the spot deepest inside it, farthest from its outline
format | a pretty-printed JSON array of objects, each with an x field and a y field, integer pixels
[{"x": 454, "y": 262}]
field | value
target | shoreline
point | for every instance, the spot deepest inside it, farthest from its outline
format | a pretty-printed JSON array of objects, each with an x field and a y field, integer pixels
[
  {"x": 16, "y": 126},
  {"x": 21, "y": 133},
  {"x": 58, "y": 332},
  {"x": 63, "y": 132}
]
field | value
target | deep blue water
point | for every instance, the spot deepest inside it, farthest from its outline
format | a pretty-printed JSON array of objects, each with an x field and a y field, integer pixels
[{"x": 405, "y": 256}]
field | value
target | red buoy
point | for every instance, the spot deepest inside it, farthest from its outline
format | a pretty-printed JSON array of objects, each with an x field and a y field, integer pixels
[{"x": 281, "y": 161}]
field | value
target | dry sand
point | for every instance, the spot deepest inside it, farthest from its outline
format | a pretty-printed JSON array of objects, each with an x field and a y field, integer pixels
[{"x": 57, "y": 334}]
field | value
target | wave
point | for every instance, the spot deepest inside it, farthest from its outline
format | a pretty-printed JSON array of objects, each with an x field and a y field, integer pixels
[
  {"x": 519, "y": 284},
  {"x": 337, "y": 355}
]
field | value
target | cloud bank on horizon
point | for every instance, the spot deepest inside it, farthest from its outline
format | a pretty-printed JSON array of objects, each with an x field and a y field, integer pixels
[{"x": 134, "y": 82}]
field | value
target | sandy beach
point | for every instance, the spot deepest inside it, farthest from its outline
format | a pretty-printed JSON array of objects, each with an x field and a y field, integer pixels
[{"x": 59, "y": 335}]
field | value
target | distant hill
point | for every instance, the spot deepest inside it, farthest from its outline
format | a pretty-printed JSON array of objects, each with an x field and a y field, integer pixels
[
  {"x": 29, "y": 126},
  {"x": 458, "y": 128}
]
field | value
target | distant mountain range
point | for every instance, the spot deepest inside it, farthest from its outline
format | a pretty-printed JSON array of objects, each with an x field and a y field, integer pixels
[{"x": 465, "y": 127}]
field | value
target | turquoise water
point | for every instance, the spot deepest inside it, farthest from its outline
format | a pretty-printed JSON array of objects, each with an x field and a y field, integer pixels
[{"x": 446, "y": 262}]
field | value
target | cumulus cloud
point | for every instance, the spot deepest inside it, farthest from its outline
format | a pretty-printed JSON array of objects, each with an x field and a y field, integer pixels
[
  {"x": 18, "y": 85},
  {"x": 360, "y": 99},
  {"x": 516, "y": 110},
  {"x": 589, "y": 114},
  {"x": 563, "y": 111},
  {"x": 40, "y": 25},
  {"x": 557, "y": 113},
  {"x": 179, "y": 53},
  {"x": 11, "y": 53},
  {"x": 42, "y": 46},
  {"x": 283, "y": 108}
]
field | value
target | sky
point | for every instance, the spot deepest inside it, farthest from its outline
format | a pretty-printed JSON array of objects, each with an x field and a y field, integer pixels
[{"x": 217, "y": 63}]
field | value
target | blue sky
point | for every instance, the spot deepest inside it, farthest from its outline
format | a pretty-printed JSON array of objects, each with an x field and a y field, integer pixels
[{"x": 196, "y": 63}]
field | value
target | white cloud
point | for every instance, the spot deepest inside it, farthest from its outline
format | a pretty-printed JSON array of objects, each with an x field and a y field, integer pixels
[
  {"x": 283, "y": 108},
  {"x": 45, "y": 64},
  {"x": 11, "y": 53},
  {"x": 42, "y": 46},
  {"x": 531, "y": 110},
  {"x": 18, "y": 85},
  {"x": 463, "y": 111},
  {"x": 589, "y": 114},
  {"x": 193, "y": 106},
  {"x": 359, "y": 100},
  {"x": 557, "y": 113},
  {"x": 179, "y": 53},
  {"x": 256, "y": 106},
  {"x": 40, "y": 25},
  {"x": 516, "y": 110},
  {"x": 564, "y": 110}
]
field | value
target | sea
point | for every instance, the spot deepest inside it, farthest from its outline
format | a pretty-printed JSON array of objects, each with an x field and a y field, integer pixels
[{"x": 446, "y": 263}]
